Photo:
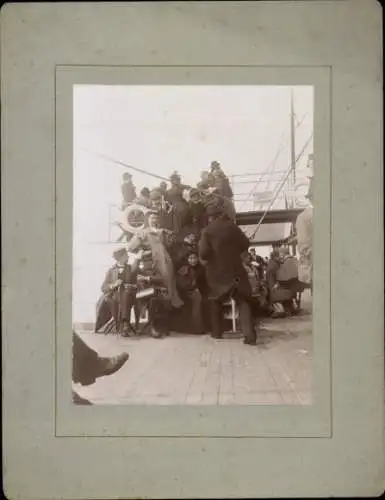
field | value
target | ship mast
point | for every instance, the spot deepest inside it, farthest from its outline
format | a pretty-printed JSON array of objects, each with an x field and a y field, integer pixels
[{"x": 292, "y": 181}]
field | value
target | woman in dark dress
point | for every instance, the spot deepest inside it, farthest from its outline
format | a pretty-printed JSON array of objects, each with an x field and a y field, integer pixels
[{"x": 193, "y": 290}]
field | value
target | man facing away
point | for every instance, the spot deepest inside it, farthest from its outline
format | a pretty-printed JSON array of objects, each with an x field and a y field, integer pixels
[{"x": 220, "y": 249}]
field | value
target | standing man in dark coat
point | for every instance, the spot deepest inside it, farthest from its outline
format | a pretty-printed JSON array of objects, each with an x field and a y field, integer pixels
[{"x": 220, "y": 249}]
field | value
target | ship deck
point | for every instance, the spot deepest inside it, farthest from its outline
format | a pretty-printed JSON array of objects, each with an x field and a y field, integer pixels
[{"x": 198, "y": 370}]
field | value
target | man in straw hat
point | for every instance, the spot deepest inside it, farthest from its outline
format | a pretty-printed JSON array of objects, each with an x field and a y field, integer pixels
[
  {"x": 119, "y": 289},
  {"x": 220, "y": 249}
]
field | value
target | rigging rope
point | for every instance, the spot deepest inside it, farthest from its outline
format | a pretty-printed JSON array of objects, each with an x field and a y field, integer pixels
[
  {"x": 151, "y": 174},
  {"x": 281, "y": 186},
  {"x": 268, "y": 170},
  {"x": 271, "y": 164}
]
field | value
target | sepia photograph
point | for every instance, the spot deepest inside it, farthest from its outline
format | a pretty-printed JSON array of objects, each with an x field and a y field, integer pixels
[
  {"x": 189, "y": 193},
  {"x": 192, "y": 245}
]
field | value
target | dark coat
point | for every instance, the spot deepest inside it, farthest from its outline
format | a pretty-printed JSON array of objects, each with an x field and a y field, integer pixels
[
  {"x": 180, "y": 208},
  {"x": 114, "y": 273},
  {"x": 223, "y": 186},
  {"x": 221, "y": 246},
  {"x": 198, "y": 212}
]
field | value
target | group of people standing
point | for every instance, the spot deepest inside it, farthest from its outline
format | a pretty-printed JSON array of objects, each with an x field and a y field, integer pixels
[
  {"x": 178, "y": 203},
  {"x": 196, "y": 251},
  {"x": 199, "y": 258}
]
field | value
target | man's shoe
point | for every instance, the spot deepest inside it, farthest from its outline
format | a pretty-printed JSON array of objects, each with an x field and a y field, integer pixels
[
  {"x": 250, "y": 342},
  {"x": 108, "y": 366}
]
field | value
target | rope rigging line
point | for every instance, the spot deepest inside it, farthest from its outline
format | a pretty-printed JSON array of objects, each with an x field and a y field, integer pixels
[
  {"x": 150, "y": 174},
  {"x": 268, "y": 170},
  {"x": 271, "y": 165},
  {"x": 281, "y": 186}
]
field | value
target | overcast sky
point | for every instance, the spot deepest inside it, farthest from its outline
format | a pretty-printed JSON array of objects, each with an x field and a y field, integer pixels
[
  {"x": 184, "y": 128},
  {"x": 166, "y": 128}
]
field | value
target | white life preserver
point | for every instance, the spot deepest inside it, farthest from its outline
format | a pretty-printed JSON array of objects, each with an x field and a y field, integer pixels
[{"x": 134, "y": 218}]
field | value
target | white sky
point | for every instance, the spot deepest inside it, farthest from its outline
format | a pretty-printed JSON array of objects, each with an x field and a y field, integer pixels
[{"x": 167, "y": 128}]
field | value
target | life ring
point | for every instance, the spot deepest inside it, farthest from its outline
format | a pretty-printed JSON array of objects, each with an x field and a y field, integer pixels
[{"x": 134, "y": 218}]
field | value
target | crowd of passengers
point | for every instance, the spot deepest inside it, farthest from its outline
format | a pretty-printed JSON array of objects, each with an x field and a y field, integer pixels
[{"x": 194, "y": 259}]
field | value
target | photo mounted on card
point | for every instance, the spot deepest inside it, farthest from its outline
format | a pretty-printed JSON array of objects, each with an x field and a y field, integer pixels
[
  {"x": 194, "y": 259},
  {"x": 192, "y": 250}
]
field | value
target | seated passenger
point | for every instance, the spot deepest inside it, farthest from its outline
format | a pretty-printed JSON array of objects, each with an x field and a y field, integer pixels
[
  {"x": 287, "y": 277},
  {"x": 157, "y": 301},
  {"x": 287, "y": 273},
  {"x": 119, "y": 290},
  {"x": 282, "y": 293}
]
